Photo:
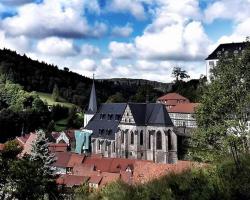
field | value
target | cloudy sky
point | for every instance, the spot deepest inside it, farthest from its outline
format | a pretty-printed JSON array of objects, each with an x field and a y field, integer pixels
[{"x": 123, "y": 38}]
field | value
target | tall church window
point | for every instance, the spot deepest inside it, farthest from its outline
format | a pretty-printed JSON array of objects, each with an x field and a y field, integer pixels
[
  {"x": 106, "y": 146},
  {"x": 113, "y": 146},
  {"x": 149, "y": 141},
  {"x": 99, "y": 144},
  {"x": 132, "y": 138},
  {"x": 141, "y": 138},
  {"x": 158, "y": 140},
  {"x": 169, "y": 140},
  {"x": 122, "y": 137}
]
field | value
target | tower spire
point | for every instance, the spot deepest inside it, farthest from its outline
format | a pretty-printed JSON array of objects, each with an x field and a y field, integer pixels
[{"x": 92, "y": 101}]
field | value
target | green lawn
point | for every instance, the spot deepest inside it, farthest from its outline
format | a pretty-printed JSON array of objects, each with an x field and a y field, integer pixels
[{"x": 46, "y": 97}]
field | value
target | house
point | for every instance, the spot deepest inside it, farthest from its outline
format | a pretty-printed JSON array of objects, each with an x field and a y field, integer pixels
[
  {"x": 183, "y": 115},
  {"x": 1, "y": 147},
  {"x": 170, "y": 100},
  {"x": 223, "y": 50},
  {"x": 67, "y": 137}
]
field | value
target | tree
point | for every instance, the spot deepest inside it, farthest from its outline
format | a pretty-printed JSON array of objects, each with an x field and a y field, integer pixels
[
  {"x": 221, "y": 117},
  {"x": 116, "y": 98},
  {"x": 178, "y": 73},
  {"x": 40, "y": 152},
  {"x": 55, "y": 93}
]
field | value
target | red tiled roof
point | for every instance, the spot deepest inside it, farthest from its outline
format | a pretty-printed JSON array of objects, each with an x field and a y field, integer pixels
[
  {"x": 75, "y": 159},
  {"x": 68, "y": 159},
  {"x": 28, "y": 144},
  {"x": 62, "y": 159},
  {"x": 102, "y": 164},
  {"x": 96, "y": 179},
  {"x": 108, "y": 178},
  {"x": 71, "y": 180},
  {"x": 1, "y": 147},
  {"x": 61, "y": 147},
  {"x": 184, "y": 108},
  {"x": 172, "y": 96}
]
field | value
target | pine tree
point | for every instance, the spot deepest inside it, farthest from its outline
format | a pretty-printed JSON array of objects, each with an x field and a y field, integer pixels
[
  {"x": 55, "y": 93},
  {"x": 40, "y": 153}
]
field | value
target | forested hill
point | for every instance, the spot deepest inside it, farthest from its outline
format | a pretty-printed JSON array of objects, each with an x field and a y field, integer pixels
[{"x": 75, "y": 88}]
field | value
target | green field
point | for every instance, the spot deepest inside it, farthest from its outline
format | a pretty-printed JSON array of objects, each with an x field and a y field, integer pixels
[{"x": 46, "y": 97}]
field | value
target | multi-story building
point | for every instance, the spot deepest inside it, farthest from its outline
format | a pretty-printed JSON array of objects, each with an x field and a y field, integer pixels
[
  {"x": 223, "y": 50},
  {"x": 170, "y": 100},
  {"x": 183, "y": 115}
]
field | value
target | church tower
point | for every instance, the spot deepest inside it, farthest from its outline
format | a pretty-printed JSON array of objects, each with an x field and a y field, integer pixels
[{"x": 92, "y": 109}]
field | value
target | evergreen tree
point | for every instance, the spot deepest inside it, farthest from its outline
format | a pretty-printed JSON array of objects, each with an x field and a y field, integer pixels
[
  {"x": 40, "y": 152},
  {"x": 55, "y": 93}
]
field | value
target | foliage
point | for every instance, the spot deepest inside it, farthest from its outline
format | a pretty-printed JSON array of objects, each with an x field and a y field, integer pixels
[
  {"x": 23, "y": 178},
  {"x": 55, "y": 94},
  {"x": 215, "y": 182},
  {"x": 179, "y": 74},
  {"x": 221, "y": 117},
  {"x": 75, "y": 119},
  {"x": 116, "y": 98}
]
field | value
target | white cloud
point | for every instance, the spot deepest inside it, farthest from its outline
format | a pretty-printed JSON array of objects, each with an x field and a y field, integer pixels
[
  {"x": 121, "y": 50},
  {"x": 124, "y": 31},
  {"x": 89, "y": 50},
  {"x": 54, "y": 46},
  {"x": 228, "y": 9},
  {"x": 134, "y": 7},
  {"x": 20, "y": 43},
  {"x": 88, "y": 65},
  {"x": 60, "y": 18}
]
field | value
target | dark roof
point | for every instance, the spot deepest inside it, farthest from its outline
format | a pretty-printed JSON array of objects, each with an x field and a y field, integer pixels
[
  {"x": 92, "y": 100},
  {"x": 150, "y": 114},
  {"x": 227, "y": 47},
  {"x": 96, "y": 123}
]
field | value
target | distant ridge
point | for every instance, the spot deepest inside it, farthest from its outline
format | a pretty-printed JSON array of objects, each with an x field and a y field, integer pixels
[{"x": 164, "y": 87}]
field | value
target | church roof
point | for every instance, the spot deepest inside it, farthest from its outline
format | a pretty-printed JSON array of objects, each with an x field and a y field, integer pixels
[
  {"x": 150, "y": 114},
  {"x": 92, "y": 101},
  {"x": 105, "y": 122}
]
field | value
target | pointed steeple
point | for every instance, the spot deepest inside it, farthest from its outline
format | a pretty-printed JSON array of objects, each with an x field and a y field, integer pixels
[{"x": 92, "y": 101}]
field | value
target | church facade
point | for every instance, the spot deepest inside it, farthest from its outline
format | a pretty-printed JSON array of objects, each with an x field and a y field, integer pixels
[{"x": 130, "y": 130}]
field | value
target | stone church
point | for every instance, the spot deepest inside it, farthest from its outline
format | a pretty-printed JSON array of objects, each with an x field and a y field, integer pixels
[{"x": 128, "y": 130}]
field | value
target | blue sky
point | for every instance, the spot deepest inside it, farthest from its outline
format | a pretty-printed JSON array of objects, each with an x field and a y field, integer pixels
[{"x": 123, "y": 38}]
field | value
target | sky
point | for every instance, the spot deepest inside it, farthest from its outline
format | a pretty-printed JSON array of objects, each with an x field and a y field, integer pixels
[{"x": 123, "y": 38}]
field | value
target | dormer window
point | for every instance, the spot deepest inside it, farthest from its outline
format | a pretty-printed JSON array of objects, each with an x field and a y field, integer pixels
[
  {"x": 109, "y": 131},
  {"x": 110, "y": 116},
  {"x": 117, "y": 117},
  {"x": 101, "y": 131},
  {"x": 102, "y": 116}
]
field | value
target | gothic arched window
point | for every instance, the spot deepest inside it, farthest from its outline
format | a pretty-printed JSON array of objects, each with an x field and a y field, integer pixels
[
  {"x": 158, "y": 140},
  {"x": 132, "y": 138},
  {"x": 149, "y": 141},
  {"x": 122, "y": 137},
  {"x": 141, "y": 138},
  {"x": 169, "y": 140}
]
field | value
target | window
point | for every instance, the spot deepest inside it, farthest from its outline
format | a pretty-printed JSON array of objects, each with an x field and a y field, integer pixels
[
  {"x": 211, "y": 63},
  {"x": 101, "y": 131},
  {"x": 109, "y": 131},
  {"x": 113, "y": 146},
  {"x": 110, "y": 116},
  {"x": 122, "y": 137},
  {"x": 149, "y": 141},
  {"x": 141, "y": 138},
  {"x": 106, "y": 146},
  {"x": 158, "y": 140},
  {"x": 102, "y": 116},
  {"x": 99, "y": 144},
  {"x": 169, "y": 140},
  {"x": 132, "y": 138},
  {"x": 117, "y": 117}
]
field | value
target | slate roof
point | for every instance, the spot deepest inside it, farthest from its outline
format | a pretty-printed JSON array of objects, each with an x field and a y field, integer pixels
[
  {"x": 229, "y": 47},
  {"x": 96, "y": 123},
  {"x": 150, "y": 114},
  {"x": 92, "y": 101}
]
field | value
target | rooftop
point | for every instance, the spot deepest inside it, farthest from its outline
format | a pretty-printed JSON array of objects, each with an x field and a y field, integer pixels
[
  {"x": 228, "y": 48},
  {"x": 184, "y": 108},
  {"x": 172, "y": 96}
]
